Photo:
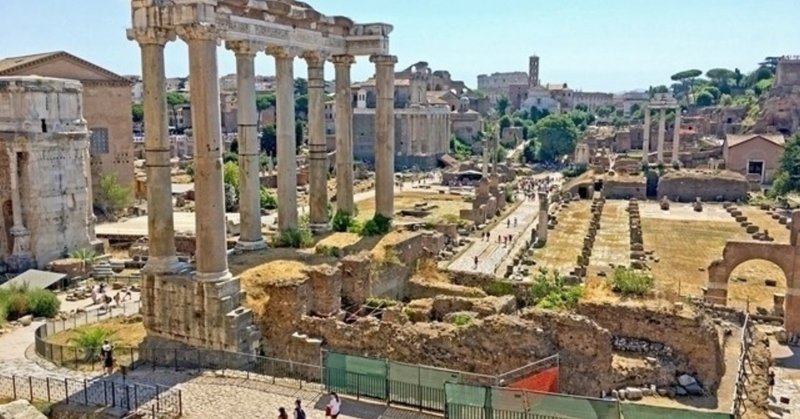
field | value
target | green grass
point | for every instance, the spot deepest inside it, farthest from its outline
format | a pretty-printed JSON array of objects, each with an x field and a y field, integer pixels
[{"x": 629, "y": 282}]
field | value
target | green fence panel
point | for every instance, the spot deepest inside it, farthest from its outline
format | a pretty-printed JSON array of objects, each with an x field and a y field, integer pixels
[
  {"x": 465, "y": 401},
  {"x": 419, "y": 386},
  {"x": 355, "y": 375},
  {"x": 641, "y": 411},
  {"x": 564, "y": 406}
]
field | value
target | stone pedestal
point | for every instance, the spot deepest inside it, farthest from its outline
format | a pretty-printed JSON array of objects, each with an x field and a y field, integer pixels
[
  {"x": 384, "y": 138},
  {"x": 326, "y": 289},
  {"x": 180, "y": 310}
]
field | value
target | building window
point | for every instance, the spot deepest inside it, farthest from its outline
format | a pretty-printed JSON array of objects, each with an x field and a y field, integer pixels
[{"x": 99, "y": 141}]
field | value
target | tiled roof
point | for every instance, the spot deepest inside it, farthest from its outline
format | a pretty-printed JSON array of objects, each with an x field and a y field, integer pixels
[{"x": 734, "y": 140}]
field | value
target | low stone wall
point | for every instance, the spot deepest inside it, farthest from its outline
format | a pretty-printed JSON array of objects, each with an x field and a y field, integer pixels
[
  {"x": 624, "y": 189},
  {"x": 692, "y": 335},
  {"x": 686, "y": 187},
  {"x": 421, "y": 288}
]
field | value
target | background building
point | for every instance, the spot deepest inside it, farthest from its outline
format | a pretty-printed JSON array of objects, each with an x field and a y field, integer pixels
[{"x": 106, "y": 107}]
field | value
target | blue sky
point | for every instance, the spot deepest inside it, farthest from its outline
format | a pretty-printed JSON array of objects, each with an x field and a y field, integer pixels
[{"x": 609, "y": 45}]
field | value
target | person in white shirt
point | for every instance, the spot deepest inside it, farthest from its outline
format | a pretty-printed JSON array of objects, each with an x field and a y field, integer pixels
[{"x": 334, "y": 406}]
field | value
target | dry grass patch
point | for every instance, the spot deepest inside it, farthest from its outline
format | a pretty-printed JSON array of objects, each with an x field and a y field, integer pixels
[
  {"x": 128, "y": 332},
  {"x": 447, "y": 204},
  {"x": 565, "y": 241}
]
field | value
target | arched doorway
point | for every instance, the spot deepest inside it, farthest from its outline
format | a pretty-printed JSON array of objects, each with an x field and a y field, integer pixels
[{"x": 753, "y": 283}]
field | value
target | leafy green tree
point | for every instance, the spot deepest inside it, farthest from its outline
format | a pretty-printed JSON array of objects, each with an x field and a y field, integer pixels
[
  {"x": 112, "y": 197},
  {"x": 267, "y": 199},
  {"x": 264, "y": 102},
  {"x": 530, "y": 152},
  {"x": 269, "y": 140},
  {"x": 605, "y": 111},
  {"x": 502, "y": 105},
  {"x": 230, "y": 174},
  {"x": 300, "y": 86},
  {"x": 582, "y": 107},
  {"x": 301, "y": 107},
  {"x": 686, "y": 75},
  {"x": 763, "y": 86},
  {"x": 175, "y": 99},
  {"x": 137, "y": 112},
  {"x": 720, "y": 76},
  {"x": 787, "y": 177},
  {"x": 704, "y": 98},
  {"x": 505, "y": 122},
  {"x": 737, "y": 77},
  {"x": 658, "y": 89},
  {"x": 500, "y": 153},
  {"x": 299, "y": 130},
  {"x": 770, "y": 63},
  {"x": 557, "y": 135}
]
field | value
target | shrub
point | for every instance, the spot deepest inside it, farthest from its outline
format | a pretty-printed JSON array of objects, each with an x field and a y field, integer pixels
[
  {"x": 332, "y": 251},
  {"x": 550, "y": 291},
  {"x": 17, "y": 306},
  {"x": 297, "y": 238},
  {"x": 91, "y": 339},
  {"x": 43, "y": 303},
  {"x": 500, "y": 288},
  {"x": 268, "y": 200},
  {"x": 630, "y": 282},
  {"x": 377, "y": 226},
  {"x": 342, "y": 221},
  {"x": 576, "y": 170}
]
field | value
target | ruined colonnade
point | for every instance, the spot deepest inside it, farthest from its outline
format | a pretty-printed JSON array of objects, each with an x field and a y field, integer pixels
[
  {"x": 201, "y": 308},
  {"x": 662, "y": 106}
]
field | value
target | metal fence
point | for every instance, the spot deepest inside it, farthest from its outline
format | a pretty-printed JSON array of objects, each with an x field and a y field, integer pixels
[
  {"x": 149, "y": 401},
  {"x": 740, "y": 394},
  {"x": 73, "y": 357}
]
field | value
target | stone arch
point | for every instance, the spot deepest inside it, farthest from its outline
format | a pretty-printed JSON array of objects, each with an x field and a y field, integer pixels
[
  {"x": 748, "y": 285},
  {"x": 737, "y": 253}
]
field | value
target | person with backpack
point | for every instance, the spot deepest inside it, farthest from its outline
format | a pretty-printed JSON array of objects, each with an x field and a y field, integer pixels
[
  {"x": 299, "y": 413},
  {"x": 334, "y": 406}
]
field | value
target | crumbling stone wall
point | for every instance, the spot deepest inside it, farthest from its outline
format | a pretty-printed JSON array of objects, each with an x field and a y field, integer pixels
[
  {"x": 692, "y": 335},
  {"x": 422, "y": 288},
  {"x": 624, "y": 188}
]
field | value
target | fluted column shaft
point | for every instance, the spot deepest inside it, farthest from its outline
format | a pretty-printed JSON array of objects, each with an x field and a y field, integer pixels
[
  {"x": 676, "y": 137},
  {"x": 384, "y": 134},
  {"x": 646, "y": 136},
  {"x": 662, "y": 127},
  {"x": 344, "y": 135},
  {"x": 162, "y": 257},
  {"x": 210, "y": 225},
  {"x": 318, "y": 173},
  {"x": 287, "y": 152},
  {"x": 250, "y": 237},
  {"x": 16, "y": 203}
]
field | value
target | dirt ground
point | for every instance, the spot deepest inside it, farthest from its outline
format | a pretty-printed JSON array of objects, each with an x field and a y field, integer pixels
[
  {"x": 564, "y": 242},
  {"x": 446, "y": 205}
]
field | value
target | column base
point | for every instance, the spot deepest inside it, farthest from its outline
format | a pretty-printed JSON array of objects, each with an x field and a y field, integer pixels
[
  {"x": 164, "y": 265},
  {"x": 321, "y": 228},
  {"x": 212, "y": 276},
  {"x": 251, "y": 246},
  {"x": 21, "y": 262}
]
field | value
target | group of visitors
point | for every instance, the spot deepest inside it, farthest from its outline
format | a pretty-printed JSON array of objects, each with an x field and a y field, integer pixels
[
  {"x": 332, "y": 410},
  {"x": 99, "y": 296}
]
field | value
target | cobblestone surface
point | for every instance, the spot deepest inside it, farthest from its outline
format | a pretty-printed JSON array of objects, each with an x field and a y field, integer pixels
[{"x": 491, "y": 253}]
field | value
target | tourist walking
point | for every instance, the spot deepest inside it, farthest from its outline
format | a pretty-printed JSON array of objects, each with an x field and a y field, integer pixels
[
  {"x": 107, "y": 352},
  {"x": 334, "y": 406},
  {"x": 299, "y": 413},
  {"x": 771, "y": 381},
  {"x": 515, "y": 221},
  {"x": 282, "y": 413},
  {"x": 475, "y": 260},
  {"x": 508, "y": 223}
]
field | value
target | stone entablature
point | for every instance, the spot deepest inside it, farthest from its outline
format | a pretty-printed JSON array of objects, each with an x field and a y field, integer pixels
[{"x": 268, "y": 22}]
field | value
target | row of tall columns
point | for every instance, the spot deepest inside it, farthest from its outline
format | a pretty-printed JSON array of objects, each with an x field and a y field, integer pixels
[
  {"x": 162, "y": 258},
  {"x": 287, "y": 152},
  {"x": 662, "y": 118},
  {"x": 384, "y": 134}
]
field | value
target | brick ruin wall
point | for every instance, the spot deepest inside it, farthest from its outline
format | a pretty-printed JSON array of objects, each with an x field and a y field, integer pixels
[{"x": 687, "y": 188}]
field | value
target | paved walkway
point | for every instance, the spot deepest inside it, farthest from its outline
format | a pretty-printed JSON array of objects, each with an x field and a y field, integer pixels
[
  {"x": 787, "y": 377},
  {"x": 491, "y": 253}
]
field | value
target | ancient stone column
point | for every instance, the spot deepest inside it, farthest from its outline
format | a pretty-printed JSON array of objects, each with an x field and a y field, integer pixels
[
  {"x": 210, "y": 223},
  {"x": 646, "y": 136},
  {"x": 344, "y": 134},
  {"x": 544, "y": 206},
  {"x": 318, "y": 170},
  {"x": 676, "y": 137},
  {"x": 662, "y": 127},
  {"x": 250, "y": 237},
  {"x": 384, "y": 134},
  {"x": 21, "y": 258},
  {"x": 162, "y": 258},
  {"x": 287, "y": 152}
]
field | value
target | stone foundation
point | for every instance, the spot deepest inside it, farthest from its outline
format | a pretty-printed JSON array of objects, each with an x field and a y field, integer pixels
[{"x": 179, "y": 310}]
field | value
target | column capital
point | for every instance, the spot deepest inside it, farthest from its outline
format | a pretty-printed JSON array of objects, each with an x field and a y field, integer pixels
[
  {"x": 382, "y": 59},
  {"x": 339, "y": 60},
  {"x": 315, "y": 58},
  {"x": 151, "y": 36},
  {"x": 245, "y": 48},
  {"x": 198, "y": 31},
  {"x": 284, "y": 52}
]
